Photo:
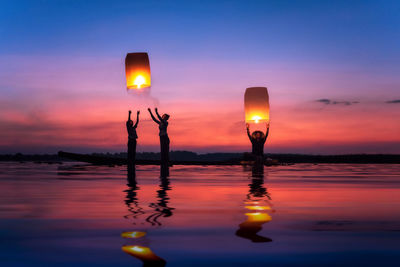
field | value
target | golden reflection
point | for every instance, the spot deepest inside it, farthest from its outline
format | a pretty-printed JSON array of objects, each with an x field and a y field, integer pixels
[
  {"x": 258, "y": 202},
  {"x": 258, "y": 217},
  {"x": 145, "y": 254},
  {"x": 257, "y": 207},
  {"x": 161, "y": 209},
  {"x": 135, "y": 234}
]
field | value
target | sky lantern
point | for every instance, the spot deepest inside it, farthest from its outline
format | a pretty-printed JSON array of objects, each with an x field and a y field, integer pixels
[
  {"x": 256, "y": 105},
  {"x": 137, "y": 69}
]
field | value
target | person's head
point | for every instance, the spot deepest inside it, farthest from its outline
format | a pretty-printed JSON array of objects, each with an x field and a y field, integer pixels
[
  {"x": 130, "y": 123},
  {"x": 165, "y": 117},
  {"x": 257, "y": 135}
]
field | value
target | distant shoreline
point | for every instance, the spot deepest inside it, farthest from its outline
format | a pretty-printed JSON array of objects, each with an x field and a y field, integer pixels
[{"x": 214, "y": 157}]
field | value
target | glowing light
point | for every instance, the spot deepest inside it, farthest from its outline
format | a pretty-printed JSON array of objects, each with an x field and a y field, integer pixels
[
  {"x": 252, "y": 202},
  {"x": 256, "y": 119},
  {"x": 137, "y": 71},
  {"x": 139, "y": 81},
  {"x": 133, "y": 234},
  {"x": 256, "y": 105},
  {"x": 137, "y": 250},
  {"x": 257, "y": 207},
  {"x": 258, "y": 217},
  {"x": 144, "y": 254}
]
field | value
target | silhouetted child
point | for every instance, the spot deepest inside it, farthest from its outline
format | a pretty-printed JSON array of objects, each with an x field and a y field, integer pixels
[
  {"x": 257, "y": 139},
  {"x": 164, "y": 139},
  {"x": 132, "y": 136}
]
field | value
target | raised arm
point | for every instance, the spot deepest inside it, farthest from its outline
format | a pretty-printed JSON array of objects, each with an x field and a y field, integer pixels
[
  {"x": 158, "y": 115},
  {"x": 248, "y": 131},
  {"x": 154, "y": 119},
  {"x": 127, "y": 122},
  {"x": 137, "y": 119},
  {"x": 267, "y": 132}
]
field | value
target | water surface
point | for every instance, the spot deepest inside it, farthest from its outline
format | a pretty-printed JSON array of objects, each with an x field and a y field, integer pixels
[{"x": 74, "y": 215}]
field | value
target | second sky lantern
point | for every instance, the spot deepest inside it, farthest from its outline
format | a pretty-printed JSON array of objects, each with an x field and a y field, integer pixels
[
  {"x": 256, "y": 105},
  {"x": 137, "y": 69}
]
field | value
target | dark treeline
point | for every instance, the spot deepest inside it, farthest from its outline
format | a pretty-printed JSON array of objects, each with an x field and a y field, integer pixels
[{"x": 191, "y": 156}]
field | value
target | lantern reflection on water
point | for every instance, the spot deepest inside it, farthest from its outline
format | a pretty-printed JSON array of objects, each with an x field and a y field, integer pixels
[
  {"x": 137, "y": 70},
  {"x": 256, "y": 105},
  {"x": 135, "y": 234},
  {"x": 145, "y": 254}
]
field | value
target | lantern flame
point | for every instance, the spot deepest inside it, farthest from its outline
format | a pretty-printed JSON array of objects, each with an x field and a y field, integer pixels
[
  {"x": 139, "y": 81},
  {"x": 256, "y": 119}
]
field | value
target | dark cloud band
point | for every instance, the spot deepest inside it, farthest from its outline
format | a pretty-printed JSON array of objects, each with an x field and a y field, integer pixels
[
  {"x": 335, "y": 102},
  {"x": 396, "y": 101}
]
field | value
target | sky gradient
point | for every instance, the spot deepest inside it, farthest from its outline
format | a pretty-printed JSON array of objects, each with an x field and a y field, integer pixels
[{"x": 331, "y": 68}]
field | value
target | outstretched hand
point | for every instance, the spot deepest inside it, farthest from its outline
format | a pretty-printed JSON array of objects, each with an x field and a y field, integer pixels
[
  {"x": 130, "y": 112},
  {"x": 138, "y": 112},
  {"x": 247, "y": 126},
  {"x": 149, "y": 109}
]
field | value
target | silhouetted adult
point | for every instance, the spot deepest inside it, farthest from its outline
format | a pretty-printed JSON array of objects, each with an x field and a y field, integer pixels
[
  {"x": 257, "y": 139},
  {"x": 132, "y": 136},
  {"x": 164, "y": 139}
]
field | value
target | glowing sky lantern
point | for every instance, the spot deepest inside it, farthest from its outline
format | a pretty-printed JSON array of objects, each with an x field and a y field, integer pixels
[
  {"x": 137, "y": 70},
  {"x": 256, "y": 105}
]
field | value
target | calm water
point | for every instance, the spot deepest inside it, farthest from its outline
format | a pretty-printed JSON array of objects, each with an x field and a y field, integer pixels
[{"x": 304, "y": 214}]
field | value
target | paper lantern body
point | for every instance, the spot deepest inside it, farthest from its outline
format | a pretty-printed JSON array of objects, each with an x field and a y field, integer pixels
[
  {"x": 256, "y": 105},
  {"x": 137, "y": 70}
]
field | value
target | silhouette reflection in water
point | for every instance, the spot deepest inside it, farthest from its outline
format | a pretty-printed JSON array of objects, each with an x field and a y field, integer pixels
[
  {"x": 131, "y": 199},
  {"x": 161, "y": 207},
  {"x": 258, "y": 203},
  {"x": 144, "y": 253}
]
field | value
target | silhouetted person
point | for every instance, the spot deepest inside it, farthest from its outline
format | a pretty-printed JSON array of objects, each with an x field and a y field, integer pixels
[
  {"x": 164, "y": 139},
  {"x": 132, "y": 136},
  {"x": 257, "y": 139}
]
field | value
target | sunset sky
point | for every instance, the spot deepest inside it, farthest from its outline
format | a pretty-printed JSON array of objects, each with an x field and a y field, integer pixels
[{"x": 331, "y": 67}]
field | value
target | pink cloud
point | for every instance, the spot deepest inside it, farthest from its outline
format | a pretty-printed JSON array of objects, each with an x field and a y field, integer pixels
[{"x": 59, "y": 102}]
